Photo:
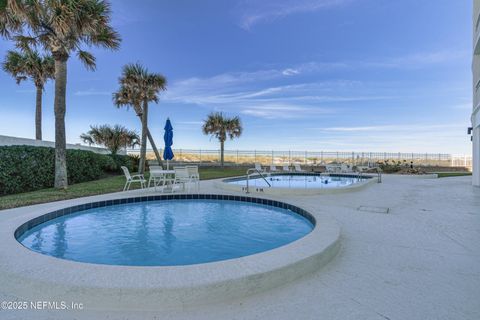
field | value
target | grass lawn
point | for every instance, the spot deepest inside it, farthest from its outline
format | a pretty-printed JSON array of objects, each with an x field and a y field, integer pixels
[
  {"x": 106, "y": 185},
  {"x": 453, "y": 174}
]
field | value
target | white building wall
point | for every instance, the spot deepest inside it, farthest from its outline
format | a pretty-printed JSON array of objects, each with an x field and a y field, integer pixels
[
  {"x": 476, "y": 94},
  {"x": 15, "y": 141}
]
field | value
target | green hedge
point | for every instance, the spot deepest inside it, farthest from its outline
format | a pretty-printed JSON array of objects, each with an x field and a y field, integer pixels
[{"x": 29, "y": 168}]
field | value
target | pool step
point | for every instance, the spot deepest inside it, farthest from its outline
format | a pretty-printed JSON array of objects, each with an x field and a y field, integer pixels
[{"x": 374, "y": 209}]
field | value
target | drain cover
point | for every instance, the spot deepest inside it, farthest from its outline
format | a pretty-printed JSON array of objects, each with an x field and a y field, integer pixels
[{"x": 373, "y": 209}]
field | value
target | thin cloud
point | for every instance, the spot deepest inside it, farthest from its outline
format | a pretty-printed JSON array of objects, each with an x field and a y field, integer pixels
[
  {"x": 392, "y": 128},
  {"x": 124, "y": 14},
  {"x": 232, "y": 83},
  {"x": 419, "y": 59},
  {"x": 430, "y": 138},
  {"x": 255, "y": 12},
  {"x": 281, "y": 102},
  {"x": 464, "y": 106},
  {"x": 290, "y": 72},
  {"x": 284, "y": 111},
  {"x": 357, "y": 129}
]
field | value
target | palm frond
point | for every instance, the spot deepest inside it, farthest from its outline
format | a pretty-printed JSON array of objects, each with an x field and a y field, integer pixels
[
  {"x": 59, "y": 26},
  {"x": 219, "y": 126},
  {"x": 25, "y": 43},
  {"x": 112, "y": 137},
  {"x": 30, "y": 64},
  {"x": 142, "y": 83},
  {"x": 107, "y": 38},
  {"x": 87, "y": 59},
  {"x": 10, "y": 21}
]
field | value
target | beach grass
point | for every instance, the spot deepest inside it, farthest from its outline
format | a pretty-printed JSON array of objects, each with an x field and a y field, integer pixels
[{"x": 453, "y": 174}]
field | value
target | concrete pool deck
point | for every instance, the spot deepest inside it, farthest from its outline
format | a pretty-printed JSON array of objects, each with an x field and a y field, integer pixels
[
  {"x": 33, "y": 276},
  {"x": 421, "y": 260}
]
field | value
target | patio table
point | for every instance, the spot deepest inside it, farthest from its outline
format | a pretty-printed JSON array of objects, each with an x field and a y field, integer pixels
[{"x": 161, "y": 176}]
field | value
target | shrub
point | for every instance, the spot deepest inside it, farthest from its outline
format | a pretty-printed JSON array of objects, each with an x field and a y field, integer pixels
[
  {"x": 135, "y": 161},
  {"x": 122, "y": 160},
  {"x": 28, "y": 168},
  {"x": 393, "y": 166},
  {"x": 86, "y": 165}
]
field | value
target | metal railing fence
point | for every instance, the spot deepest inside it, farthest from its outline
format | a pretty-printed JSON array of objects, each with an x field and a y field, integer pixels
[{"x": 243, "y": 157}]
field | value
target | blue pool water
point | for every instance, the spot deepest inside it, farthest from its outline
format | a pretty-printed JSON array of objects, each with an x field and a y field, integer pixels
[
  {"x": 299, "y": 181},
  {"x": 169, "y": 232}
]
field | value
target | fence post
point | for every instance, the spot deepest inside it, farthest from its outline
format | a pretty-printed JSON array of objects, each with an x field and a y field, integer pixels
[
  {"x": 337, "y": 158},
  {"x": 255, "y": 156},
  {"x": 321, "y": 156},
  {"x": 353, "y": 158}
]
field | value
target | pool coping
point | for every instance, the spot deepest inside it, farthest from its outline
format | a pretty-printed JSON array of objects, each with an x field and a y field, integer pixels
[
  {"x": 32, "y": 276},
  {"x": 369, "y": 179}
]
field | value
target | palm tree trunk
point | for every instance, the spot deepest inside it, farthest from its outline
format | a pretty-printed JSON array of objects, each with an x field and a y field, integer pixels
[
  {"x": 150, "y": 138},
  {"x": 154, "y": 147},
  {"x": 143, "y": 149},
  {"x": 222, "y": 150},
  {"x": 38, "y": 113},
  {"x": 60, "y": 108}
]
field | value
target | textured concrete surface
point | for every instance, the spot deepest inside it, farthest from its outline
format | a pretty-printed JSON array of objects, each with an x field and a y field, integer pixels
[{"x": 421, "y": 260}]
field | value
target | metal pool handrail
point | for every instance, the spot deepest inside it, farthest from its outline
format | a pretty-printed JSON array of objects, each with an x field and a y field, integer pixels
[{"x": 261, "y": 175}]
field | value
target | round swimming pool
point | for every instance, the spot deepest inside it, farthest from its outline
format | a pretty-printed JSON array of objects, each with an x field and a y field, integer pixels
[{"x": 166, "y": 232}]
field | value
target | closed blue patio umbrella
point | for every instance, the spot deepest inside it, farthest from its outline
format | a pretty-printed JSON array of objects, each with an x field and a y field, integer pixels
[{"x": 168, "y": 138}]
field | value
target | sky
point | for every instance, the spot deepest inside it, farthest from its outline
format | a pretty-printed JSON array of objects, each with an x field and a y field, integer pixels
[{"x": 319, "y": 75}]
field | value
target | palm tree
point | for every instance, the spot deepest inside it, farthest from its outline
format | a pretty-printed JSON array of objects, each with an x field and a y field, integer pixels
[
  {"x": 126, "y": 97},
  {"x": 139, "y": 87},
  {"x": 221, "y": 127},
  {"x": 113, "y": 138},
  {"x": 31, "y": 65},
  {"x": 61, "y": 27}
]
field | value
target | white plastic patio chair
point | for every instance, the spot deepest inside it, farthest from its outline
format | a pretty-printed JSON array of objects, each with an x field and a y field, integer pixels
[
  {"x": 160, "y": 178},
  {"x": 286, "y": 168},
  {"x": 273, "y": 168},
  {"x": 298, "y": 168},
  {"x": 258, "y": 167},
  {"x": 330, "y": 168},
  {"x": 154, "y": 177},
  {"x": 130, "y": 179},
  {"x": 182, "y": 177},
  {"x": 194, "y": 175},
  {"x": 345, "y": 168}
]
